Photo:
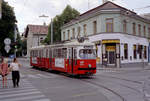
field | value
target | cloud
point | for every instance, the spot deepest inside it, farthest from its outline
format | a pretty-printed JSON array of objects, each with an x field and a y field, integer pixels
[{"x": 28, "y": 12}]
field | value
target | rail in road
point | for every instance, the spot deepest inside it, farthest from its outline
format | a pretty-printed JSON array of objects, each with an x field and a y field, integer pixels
[{"x": 121, "y": 98}]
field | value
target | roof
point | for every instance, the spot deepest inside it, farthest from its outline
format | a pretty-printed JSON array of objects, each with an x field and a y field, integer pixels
[
  {"x": 36, "y": 29},
  {"x": 72, "y": 43},
  {"x": 146, "y": 15},
  {"x": 106, "y": 6}
]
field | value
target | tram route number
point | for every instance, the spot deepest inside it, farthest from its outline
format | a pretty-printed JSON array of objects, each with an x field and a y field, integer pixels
[{"x": 88, "y": 47}]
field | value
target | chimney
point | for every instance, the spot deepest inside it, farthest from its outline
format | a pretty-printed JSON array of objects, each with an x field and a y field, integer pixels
[
  {"x": 104, "y": 1},
  {"x": 44, "y": 24}
]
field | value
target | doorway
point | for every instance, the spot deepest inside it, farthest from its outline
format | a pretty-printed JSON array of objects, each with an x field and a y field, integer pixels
[{"x": 111, "y": 58}]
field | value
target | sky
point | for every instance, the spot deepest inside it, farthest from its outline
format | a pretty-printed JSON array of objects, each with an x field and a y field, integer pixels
[{"x": 28, "y": 11}]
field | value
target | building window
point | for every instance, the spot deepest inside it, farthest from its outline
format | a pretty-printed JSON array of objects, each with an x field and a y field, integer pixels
[
  {"x": 64, "y": 35},
  {"x": 73, "y": 33},
  {"x": 134, "y": 29},
  {"x": 126, "y": 51},
  {"x": 139, "y": 29},
  {"x": 109, "y": 25},
  {"x": 140, "y": 51},
  {"x": 94, "y": 27},
  {"x": 68, "y": 34},
  {"x": 149, "y": 32},
  {"x": 144, "y": 30},
  {"x": 145, "y": 52},
  {"x": 125, "y": 26},
  {"x": 84, "y": 29},
  {"x": 134, "y": 52},
  {"x": 79, "y": 29}
]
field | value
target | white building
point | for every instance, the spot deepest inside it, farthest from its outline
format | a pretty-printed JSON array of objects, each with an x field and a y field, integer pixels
[
  {"x": 35, "y": 34},
  {"x": 120, "y": 35}
]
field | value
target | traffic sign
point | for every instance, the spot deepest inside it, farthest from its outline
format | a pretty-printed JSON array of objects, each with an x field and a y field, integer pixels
[
  {"x": 7, "y": 48},
  {"x": 7, "y": 41}
]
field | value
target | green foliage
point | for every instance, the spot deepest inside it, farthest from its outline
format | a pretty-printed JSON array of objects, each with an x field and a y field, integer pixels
[
  {"x": 7, "y": 24},
  {"x": 67, "y": 15}
]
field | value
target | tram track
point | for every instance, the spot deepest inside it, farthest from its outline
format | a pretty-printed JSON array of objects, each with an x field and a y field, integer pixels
[
  {"x": 106, "y": 88},
  {"x": 133, "y": 81}
]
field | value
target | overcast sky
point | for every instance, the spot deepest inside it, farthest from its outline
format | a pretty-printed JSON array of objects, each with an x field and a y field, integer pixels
[{"x": 28, "y": 11}]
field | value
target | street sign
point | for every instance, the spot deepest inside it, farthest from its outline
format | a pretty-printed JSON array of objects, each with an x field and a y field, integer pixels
[
  {"x": 7, "y": 41},
  {"x": 7, "y": 48}
]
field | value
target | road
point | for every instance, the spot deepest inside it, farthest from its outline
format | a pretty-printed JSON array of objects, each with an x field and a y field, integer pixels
[{"x": 106, "y": 85}]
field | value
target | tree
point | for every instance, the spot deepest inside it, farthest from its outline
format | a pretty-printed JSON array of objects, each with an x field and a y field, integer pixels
[
  {"x": 7, "y": 24},
  {"x": 67, "y": 15}
]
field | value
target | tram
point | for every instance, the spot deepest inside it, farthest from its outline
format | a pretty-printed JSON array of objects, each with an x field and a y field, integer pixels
[{"x": 74, "y": 58}]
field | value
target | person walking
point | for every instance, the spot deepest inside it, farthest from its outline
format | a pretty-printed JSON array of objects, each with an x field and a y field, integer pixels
[
  {"x": 4, "y": 71},
  {"x": 15, "y": 72}
]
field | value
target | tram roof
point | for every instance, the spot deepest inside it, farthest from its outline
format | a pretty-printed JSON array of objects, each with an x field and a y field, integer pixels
[{"x": 72, "y": 43}]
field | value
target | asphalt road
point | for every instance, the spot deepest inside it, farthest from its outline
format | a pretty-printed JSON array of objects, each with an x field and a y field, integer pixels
[{"x": 106, "y": 85}]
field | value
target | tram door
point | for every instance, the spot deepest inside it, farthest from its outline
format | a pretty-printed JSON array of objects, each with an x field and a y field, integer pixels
[
  {"x": 50, "y": 59},
  {"x": 71, "y": 69}
]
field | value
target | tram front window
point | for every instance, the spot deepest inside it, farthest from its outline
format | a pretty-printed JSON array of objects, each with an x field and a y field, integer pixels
[{"x": 87, "y": 54}]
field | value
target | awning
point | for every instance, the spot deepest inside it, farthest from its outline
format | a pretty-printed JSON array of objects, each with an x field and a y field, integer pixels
[{"x": 110, "y": 41}]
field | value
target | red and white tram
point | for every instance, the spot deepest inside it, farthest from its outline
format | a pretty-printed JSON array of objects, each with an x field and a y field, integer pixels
[{"x": 73, "y": 58}]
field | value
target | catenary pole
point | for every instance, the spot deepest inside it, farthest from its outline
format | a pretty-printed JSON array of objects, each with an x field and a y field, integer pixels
[
  {"x": 15, "y": 36},
  {"x": 51, "y": 31}
]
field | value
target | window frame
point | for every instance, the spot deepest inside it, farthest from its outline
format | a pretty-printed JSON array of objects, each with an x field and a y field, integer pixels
[{"x": 109, "y": 25}]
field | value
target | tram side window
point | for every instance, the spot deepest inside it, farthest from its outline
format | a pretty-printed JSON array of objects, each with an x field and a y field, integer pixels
[
  {"x": 55, "y": 53},
  {"x": 30, "y": 53},
  {"x": 64, "y": 52},
  {"x": 33, "y": 53},
  {"x": 36, "y": 53},
  {"x": 50, "y": 53},
  {"x": 59, "y": 53}
]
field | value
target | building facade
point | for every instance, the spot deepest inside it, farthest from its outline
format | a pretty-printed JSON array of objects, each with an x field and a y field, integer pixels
[
  {"x": 120, "y": 35},
  {"x": 35, "y": 34}
]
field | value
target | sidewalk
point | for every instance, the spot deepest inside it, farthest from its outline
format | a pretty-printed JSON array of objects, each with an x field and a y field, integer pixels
[{"x": 137, "y": 68}]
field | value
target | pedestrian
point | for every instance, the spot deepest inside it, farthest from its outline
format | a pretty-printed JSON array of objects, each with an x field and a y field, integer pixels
[
  {"x": 4, "y": 71},
  {"x": 15, "y": 72}
]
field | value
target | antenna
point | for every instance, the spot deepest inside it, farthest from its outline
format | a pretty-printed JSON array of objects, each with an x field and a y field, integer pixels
[
  {"x": 44, "y": 16},
  {"x": 88, "y": 5}
]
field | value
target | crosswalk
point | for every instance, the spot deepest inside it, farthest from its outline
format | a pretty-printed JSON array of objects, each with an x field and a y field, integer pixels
[
  {"x": 41, "y": 76},
  {"x": 26, "y": 92}
]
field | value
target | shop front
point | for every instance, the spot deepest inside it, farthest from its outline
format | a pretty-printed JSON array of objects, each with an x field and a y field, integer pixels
[{"x": 111, "y": 53}]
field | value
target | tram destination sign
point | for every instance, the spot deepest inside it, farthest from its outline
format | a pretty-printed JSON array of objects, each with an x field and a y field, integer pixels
[{"x": 88, "y": 47}]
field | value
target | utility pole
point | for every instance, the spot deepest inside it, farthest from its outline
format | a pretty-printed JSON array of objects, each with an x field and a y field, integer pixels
[{"x": 51, "y": 31}]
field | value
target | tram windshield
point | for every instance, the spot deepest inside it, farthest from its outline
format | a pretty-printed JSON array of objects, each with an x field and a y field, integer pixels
[{"x": 87, "y": 54}]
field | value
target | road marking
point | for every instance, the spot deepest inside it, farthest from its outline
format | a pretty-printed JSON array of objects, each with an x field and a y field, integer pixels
[
  {"x": 84, "y": 94},
  {"x": 26, "y": 92},
  {"x": 45, "y": 76},
  {"x": 20, "y": 94},
  {"x": 42, "y": 100},
  {"x": 26, "y": 98},
  {"x": 17, "y": 91},
  {"x": 33, "y": 76}
]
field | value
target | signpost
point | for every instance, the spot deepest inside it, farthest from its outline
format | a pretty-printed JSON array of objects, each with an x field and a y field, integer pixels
[{"x": 7, "y": 42}]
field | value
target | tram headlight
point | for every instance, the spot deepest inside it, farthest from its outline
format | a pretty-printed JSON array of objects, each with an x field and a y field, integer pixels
[{"x": 90, "y": 65}]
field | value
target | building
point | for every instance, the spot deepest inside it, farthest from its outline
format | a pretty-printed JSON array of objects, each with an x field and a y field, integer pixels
[
  {"x": 120, "y": 35},
  {"x": 146, "y": 15},
  {"x": 35, "y": 34}
]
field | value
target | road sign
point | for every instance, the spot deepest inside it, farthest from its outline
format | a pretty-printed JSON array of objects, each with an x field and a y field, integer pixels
[
  {"x": 7, "y": 41},
  {"x": 7, "y": 48}
]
